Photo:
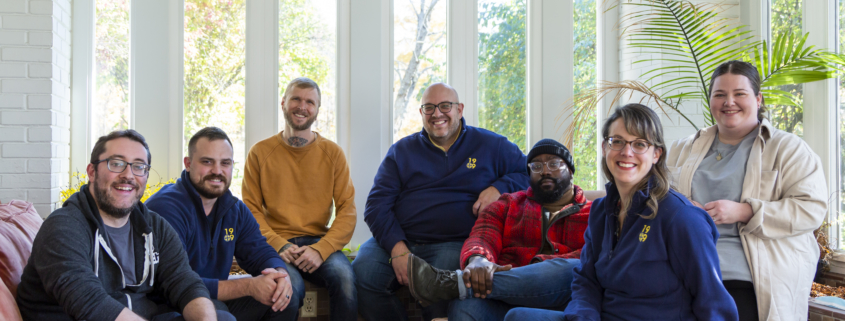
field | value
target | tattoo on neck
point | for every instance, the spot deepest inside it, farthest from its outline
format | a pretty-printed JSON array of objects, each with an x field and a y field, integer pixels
[{"x": 297, "y": 141}]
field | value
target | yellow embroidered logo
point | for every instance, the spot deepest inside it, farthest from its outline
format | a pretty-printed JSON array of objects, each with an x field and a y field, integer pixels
[
  {"x": 644, "y": 233},
  {"x": 471, "y": 163},
  {"x": 230, "y": 234}
]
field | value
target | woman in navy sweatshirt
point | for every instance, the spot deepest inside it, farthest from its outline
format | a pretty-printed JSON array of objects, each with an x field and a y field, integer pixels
[{"x": 649, "y": 254}]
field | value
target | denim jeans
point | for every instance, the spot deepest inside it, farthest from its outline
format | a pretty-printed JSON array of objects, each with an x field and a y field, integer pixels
[
  {"x": 166, "y": 313},
  {"x": 249, "y": 309},
  {"x": 377, "y": 282},
  {"x": 546, "y": 285},
  {"x": 519, "y": 314},
  {"x": 335, "y": 274}
]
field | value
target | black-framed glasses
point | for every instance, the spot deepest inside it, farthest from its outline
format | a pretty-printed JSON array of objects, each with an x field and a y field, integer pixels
[
  {"x": 444, "y": 107},
  {"x": 118, "y": 166},
  {"x": 554, "y": 166},
  {"x": 639, "y": 146}
]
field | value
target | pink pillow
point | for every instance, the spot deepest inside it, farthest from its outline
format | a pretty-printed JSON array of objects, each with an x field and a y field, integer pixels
[
  {"x": 18, "y": 225},
  {"x": 8, "y": 307}
]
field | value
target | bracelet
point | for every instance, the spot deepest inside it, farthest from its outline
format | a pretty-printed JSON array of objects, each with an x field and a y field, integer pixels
[{"x": 403, "y": 254}]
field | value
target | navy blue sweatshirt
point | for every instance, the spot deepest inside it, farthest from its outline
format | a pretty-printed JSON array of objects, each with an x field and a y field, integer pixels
[
  {"x": 424, "y": 194},
  {"x": 664, "y": 268},
  {"x": 210, "y": 247}
]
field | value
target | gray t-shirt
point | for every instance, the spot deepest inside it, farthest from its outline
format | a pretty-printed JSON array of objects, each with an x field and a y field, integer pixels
[
  {"x": 120, "y": 241},
  {"x": 719, "y": 177}
]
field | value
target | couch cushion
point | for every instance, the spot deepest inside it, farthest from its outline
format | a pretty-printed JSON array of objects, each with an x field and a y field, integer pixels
[
  {"x": 18, "y": 225},
  {"x": 8, "y": 308}
]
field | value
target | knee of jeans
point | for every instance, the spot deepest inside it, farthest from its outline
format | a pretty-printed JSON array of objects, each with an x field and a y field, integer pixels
[
  {"x": 296, "y": 283},
  {"x": 295, "y": 300},
  {"x": 225, "y": 316},
  {"x": 517, "y": 314}
]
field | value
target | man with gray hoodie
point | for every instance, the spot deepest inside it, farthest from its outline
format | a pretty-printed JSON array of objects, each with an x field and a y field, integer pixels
[{"x": 103, "y": 252}]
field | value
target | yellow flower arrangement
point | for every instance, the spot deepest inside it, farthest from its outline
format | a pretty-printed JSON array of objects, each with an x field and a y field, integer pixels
[{"x": 80, "y": 179}]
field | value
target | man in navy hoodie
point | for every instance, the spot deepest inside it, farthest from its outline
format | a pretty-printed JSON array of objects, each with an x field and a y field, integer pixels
[
  {"x": 214, "y": 226},
  {"x": 425, "y": 199}
]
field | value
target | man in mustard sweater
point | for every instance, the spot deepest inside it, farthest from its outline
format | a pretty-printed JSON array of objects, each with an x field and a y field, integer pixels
[{"x": 290, "y": 183}]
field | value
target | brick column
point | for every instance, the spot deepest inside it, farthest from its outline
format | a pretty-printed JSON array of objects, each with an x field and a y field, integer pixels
[{"x": 35, "y": 51}]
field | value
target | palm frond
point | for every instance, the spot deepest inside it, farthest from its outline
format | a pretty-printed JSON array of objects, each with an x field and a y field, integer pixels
[
  {"x": 791, "y": 61},
  {"x": 580, "y": 107},
  {"x": 689, "y": 40}
]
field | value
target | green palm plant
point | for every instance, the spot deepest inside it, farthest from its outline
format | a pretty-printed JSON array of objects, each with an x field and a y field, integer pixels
[{"x": 688, "y": 41}]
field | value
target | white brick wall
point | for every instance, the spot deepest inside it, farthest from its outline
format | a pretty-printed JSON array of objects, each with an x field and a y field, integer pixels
[
  {"x": 674, "y": 126},
  {"x": 35, "y": 50}
]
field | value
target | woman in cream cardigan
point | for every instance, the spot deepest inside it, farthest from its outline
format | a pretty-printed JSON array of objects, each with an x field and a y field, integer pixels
[{"x": 765, "y": 190}]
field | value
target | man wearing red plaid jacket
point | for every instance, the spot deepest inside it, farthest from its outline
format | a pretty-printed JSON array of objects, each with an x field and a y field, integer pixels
[{"x": 522, "y": 249}]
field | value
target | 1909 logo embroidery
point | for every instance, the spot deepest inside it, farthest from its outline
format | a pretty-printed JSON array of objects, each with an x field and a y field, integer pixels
[
  {"x": 230, "y": 234},
  {"x": 644, "y": 233},
  {"x": 471, "y": 163}
]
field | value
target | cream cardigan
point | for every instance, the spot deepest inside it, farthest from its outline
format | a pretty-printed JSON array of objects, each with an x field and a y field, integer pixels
[{"x": 785, "y": 186}]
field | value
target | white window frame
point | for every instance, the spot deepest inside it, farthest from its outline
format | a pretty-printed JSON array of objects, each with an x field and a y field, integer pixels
[
  {"x": 820, "y": 98},
  {"x": 364, "y": 79}
]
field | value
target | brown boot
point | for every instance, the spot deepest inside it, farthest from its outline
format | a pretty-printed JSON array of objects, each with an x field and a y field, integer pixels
[{"x": 429, "y": 284}]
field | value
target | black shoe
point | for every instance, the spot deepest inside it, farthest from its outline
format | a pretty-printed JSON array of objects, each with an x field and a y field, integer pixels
[{"x": 429, "y": 284}]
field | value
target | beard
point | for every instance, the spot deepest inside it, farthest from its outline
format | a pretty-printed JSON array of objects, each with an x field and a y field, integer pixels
[
  {"x": 207, "y": 192},
  {"x": 305, "y": 126},
  {"x": 453, "y": 127},
  {"x": 554, "y": 194},
  {"x": 105, "y": 203}
]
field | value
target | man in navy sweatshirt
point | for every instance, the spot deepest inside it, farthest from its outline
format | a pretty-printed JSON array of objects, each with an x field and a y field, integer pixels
[
  {"x": 425, "y": 199},
  {"x": 214, "y": 226}
]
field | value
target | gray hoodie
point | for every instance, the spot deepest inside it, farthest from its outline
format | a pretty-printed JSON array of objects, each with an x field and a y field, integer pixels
[{"x": 72, "y": 275}]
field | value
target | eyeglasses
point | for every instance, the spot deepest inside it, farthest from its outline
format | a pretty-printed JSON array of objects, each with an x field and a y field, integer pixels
[
  {"x": 639, "y": 146},
  {"x": 118, "y": 166},
  {"x": 444, "y": 107},
  {"x": 554, "y": 166}
]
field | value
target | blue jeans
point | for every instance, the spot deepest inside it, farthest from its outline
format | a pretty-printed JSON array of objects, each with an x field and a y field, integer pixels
[
  {"x": 249, "y": 309},
  {"x": 546, "y": 285},
  {"x": 166, "y": 313},
  {"x": 335, "y": 274},
  {"x": 377, "y": 282},
  {"x": 519, "y": 314}
]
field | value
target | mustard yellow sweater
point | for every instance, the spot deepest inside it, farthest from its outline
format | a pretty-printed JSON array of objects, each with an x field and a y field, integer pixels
[{"x": 290, "y": 192}]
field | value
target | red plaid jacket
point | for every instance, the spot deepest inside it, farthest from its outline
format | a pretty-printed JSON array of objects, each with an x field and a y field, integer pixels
[{"x": 509, "y": 231}]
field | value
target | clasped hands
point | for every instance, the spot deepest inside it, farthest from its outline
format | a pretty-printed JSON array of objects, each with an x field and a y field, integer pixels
[
  {"x": 478, "y": 275},
  {"x": 305, "y": 258},
  {"x": 272, "y": 288}
]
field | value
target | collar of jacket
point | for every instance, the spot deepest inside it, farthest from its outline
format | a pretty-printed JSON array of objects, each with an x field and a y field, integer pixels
[
  {"x": 424, "y": 136},
  {"x": 638, "y": 200},
  {"x": 85, "y": 202},
  {"x": 764, "y": 131},
  {"x": 223, "y": 203}
]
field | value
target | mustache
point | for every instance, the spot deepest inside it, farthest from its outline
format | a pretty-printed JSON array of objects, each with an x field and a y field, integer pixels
[
  {"x": 127, "y": 182},
  {"x": 213, "y": 176}
]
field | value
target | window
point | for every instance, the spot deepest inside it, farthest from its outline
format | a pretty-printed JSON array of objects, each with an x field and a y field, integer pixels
[
  {"x": 307, "y": 48},
  {"x": 419, "y": 58},
  {"x": 785, "y": 19},
  {"x": 110, "y": 108},
  {"x": 501, "y": 68},
  {"x": 214, "y": 73},
  {"x": 841, "y": 100},
  {"x": 584, "y": 60}
]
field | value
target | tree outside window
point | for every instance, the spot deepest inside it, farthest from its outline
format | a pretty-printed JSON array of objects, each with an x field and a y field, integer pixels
[
  {"x": 308, "y": 48},
  {"x": 110, "y": 108},
  {"x": 214, "y": 91},
  {"x": 786, "y": 18},
  {"x": 501, "y": 68},
  {"x": 419, "y": 58}
]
